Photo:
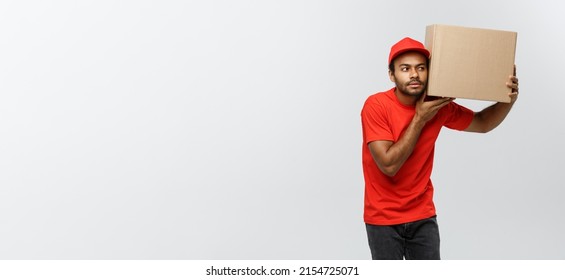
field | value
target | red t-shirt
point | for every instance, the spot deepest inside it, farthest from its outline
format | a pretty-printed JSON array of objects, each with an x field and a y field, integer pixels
[{"x": 408, "y": 195}]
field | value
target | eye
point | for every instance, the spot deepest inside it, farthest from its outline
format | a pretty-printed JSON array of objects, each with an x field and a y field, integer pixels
[{"x": 403, "y": 68}]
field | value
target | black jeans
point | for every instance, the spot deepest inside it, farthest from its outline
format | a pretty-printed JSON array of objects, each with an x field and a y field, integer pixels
[{"x": 417, "y": 240}]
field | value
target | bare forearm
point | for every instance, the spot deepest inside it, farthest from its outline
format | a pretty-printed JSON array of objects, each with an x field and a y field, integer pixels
[
  {"x": 390, "y": 156},
  {"x": 398, "y": 152},
  {"x": 490, "y": 117}
]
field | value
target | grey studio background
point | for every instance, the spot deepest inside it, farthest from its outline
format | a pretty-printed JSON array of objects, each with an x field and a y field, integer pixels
[{"x": 231, "y": 130}]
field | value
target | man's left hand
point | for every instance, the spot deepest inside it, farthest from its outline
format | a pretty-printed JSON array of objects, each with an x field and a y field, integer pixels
[{"x": 513, "y": 84}]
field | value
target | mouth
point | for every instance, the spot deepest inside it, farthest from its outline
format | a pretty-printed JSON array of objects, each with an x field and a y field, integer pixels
[{"x": 414, "y": 84}]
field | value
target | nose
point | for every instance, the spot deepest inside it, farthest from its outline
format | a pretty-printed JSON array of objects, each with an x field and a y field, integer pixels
[{"x": 414, "y": 73}]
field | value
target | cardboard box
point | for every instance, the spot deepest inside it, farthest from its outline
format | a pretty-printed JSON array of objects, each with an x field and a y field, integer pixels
[{"x": 470, "y": 63}]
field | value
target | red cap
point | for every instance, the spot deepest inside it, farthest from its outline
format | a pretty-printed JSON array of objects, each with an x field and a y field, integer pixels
[{"x": 405, "y": 45}]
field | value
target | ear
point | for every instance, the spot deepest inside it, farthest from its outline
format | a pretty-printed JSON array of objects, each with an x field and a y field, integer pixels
[{"x": 391, "y": 76}]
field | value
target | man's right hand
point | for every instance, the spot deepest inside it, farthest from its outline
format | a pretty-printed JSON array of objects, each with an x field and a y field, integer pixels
[{"x": 427, "y": 109}]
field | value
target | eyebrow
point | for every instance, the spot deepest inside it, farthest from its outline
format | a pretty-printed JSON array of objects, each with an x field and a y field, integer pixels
[{"x": 406, "y": 64}]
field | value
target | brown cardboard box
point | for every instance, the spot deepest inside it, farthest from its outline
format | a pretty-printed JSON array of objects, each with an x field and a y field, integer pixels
[{"x": 470, "y": 63}]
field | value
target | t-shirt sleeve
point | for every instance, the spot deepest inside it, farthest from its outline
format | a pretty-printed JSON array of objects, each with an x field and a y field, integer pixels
[
  {"x": 458, "y": 117},
  {"x": 375, "y": 123}
]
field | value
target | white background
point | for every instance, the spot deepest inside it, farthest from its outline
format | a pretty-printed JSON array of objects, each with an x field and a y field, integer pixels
[{"x": 231, "y": 130}]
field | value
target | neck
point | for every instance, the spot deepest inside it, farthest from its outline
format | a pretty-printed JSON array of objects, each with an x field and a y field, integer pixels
[{"x": 406, "y": 99}]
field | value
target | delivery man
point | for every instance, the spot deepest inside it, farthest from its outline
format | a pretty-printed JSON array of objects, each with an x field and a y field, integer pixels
[{"x": 400, "y": 128}]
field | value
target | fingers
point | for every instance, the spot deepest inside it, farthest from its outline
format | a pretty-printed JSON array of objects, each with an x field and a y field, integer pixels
[
  {"x": 434, "y": 101},
  {"x": 426, "y": 110},
  {"x": 513, "y": 83},
  {"x": 441, "y": 101},
  {"x": 438, "y": 103},
  {"x": 444, "y": 101}
]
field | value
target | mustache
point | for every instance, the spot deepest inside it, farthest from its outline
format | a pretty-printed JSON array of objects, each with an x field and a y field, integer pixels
[{"x": 415, "y": 81}]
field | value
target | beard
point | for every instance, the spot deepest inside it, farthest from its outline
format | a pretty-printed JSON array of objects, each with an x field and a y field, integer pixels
[{"x": 406, "y": 89}]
